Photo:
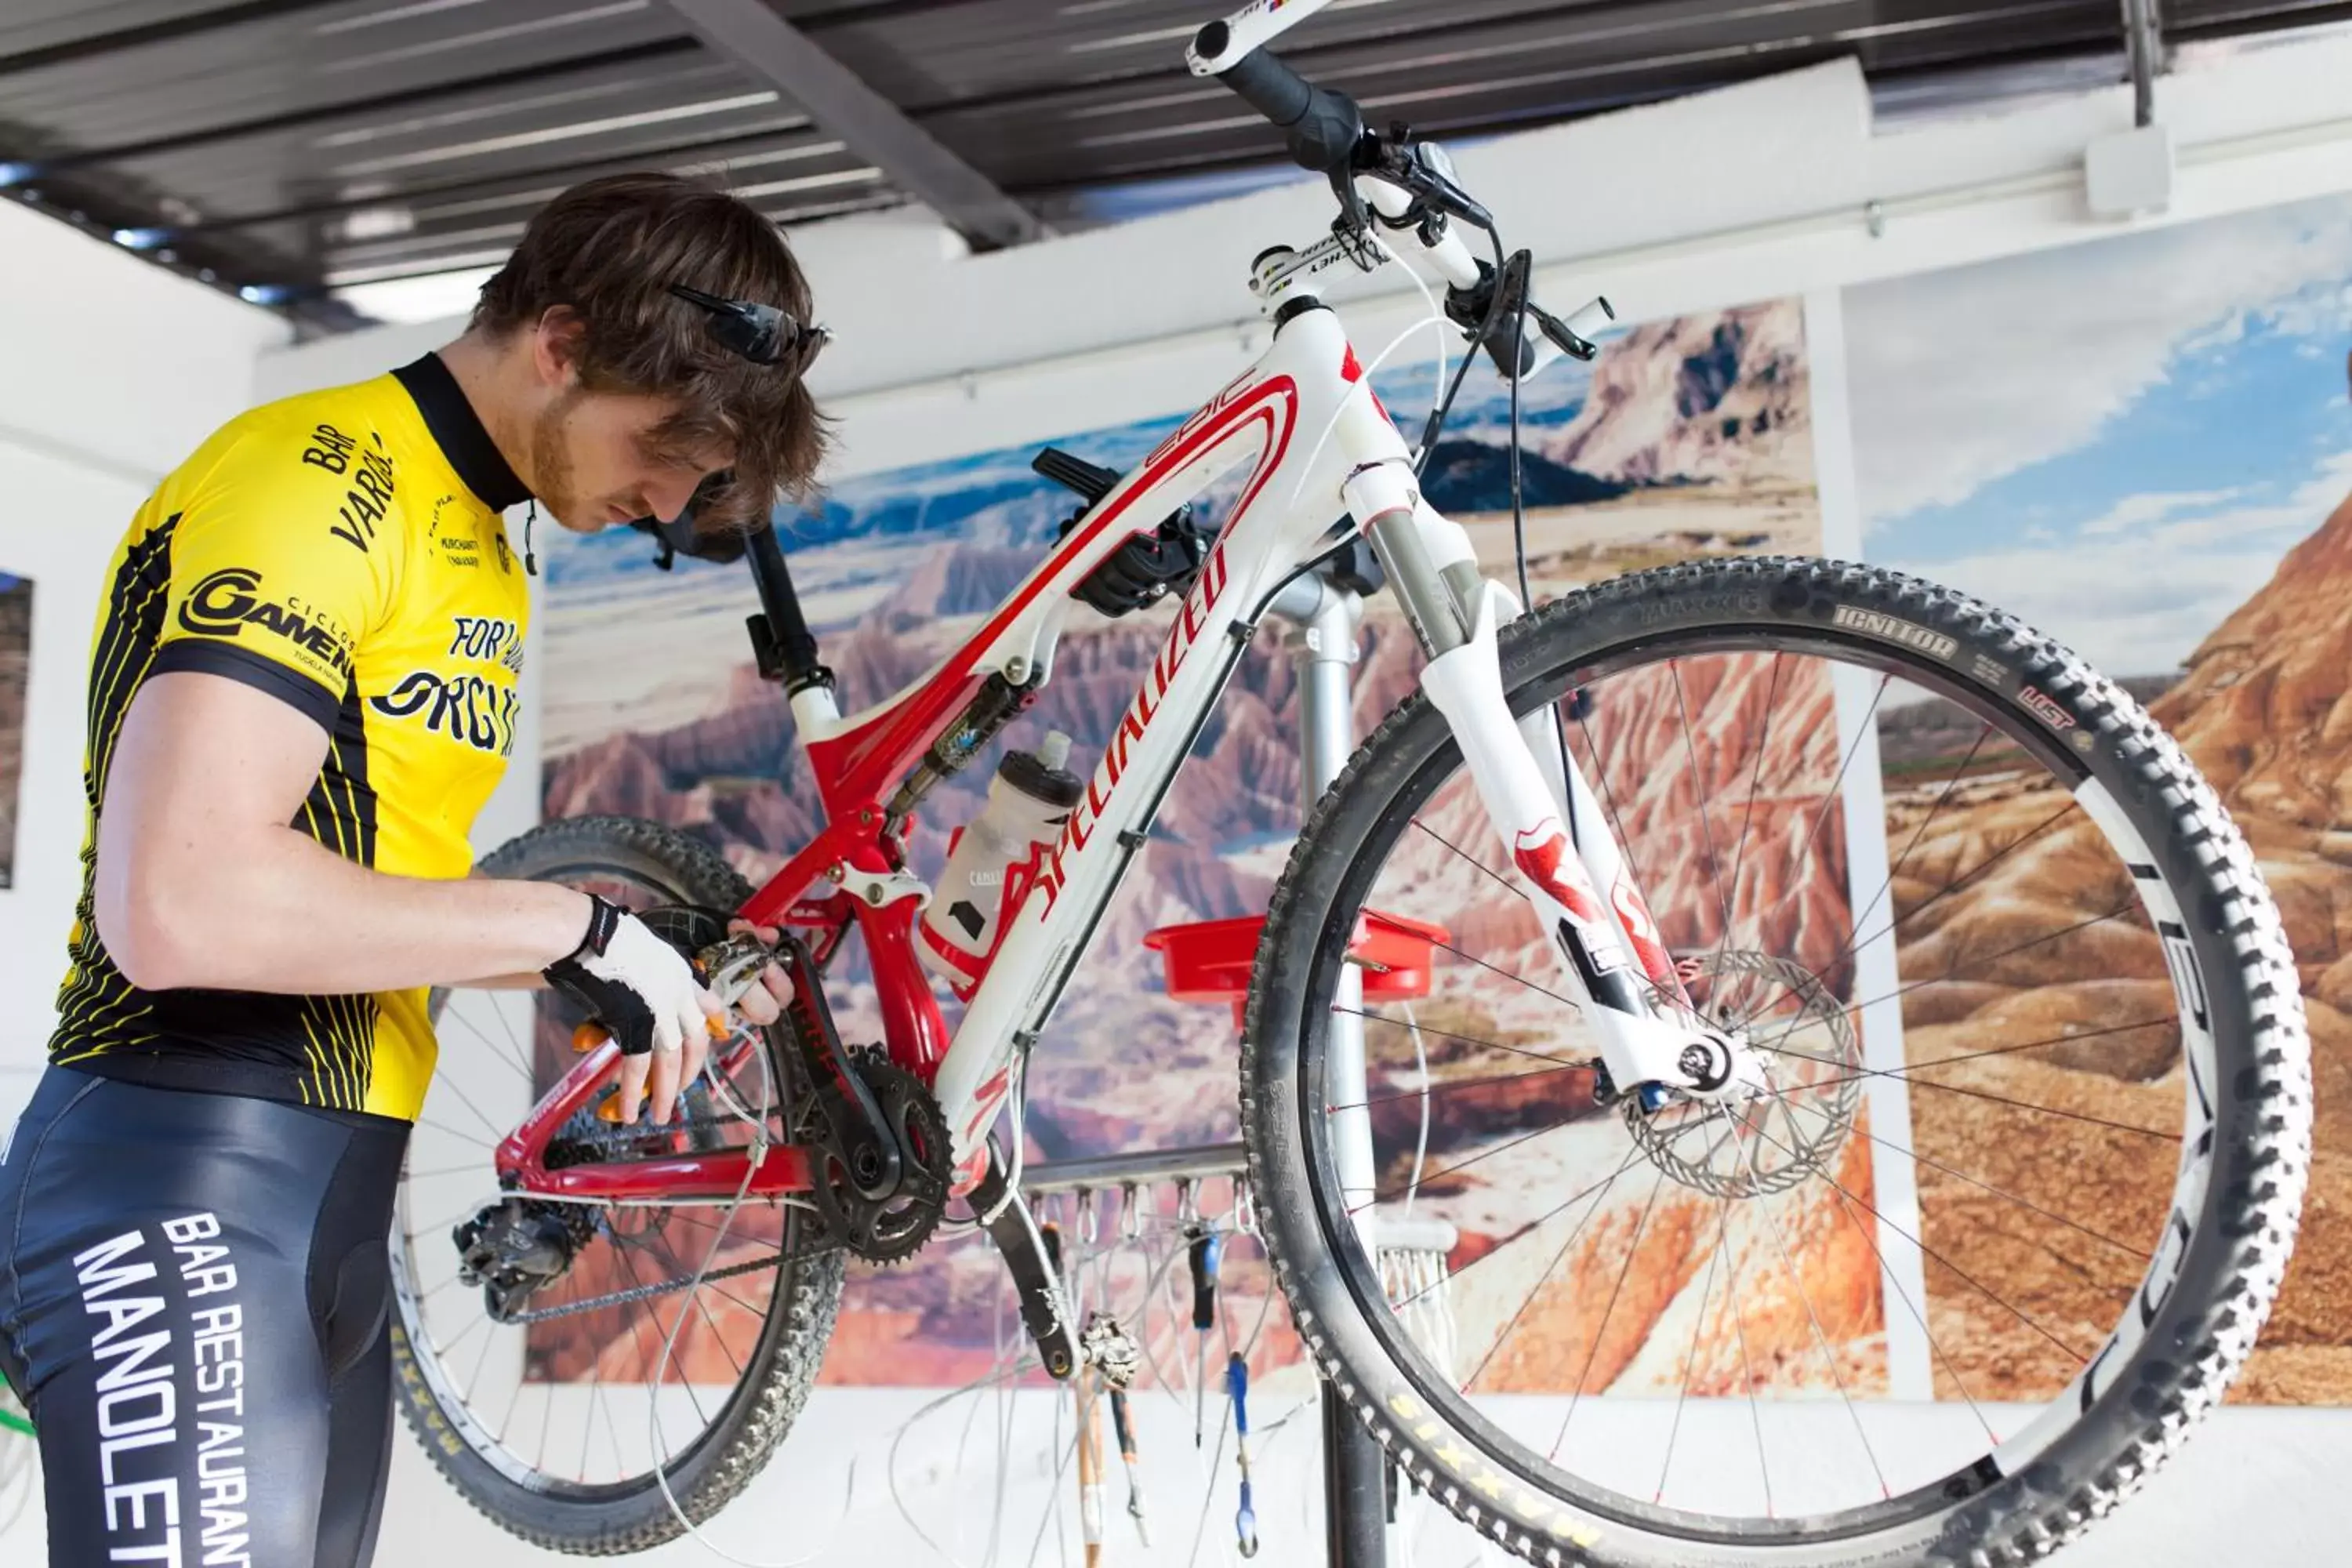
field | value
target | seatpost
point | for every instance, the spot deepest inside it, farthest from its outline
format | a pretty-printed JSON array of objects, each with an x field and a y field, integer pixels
[{"x": 782, "y": 642}]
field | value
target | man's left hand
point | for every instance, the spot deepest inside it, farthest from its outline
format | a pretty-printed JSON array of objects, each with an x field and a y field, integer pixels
[{"x": 763, "y": 1003}]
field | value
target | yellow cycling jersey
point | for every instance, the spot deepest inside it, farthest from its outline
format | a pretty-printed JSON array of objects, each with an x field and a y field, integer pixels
[{"x": 344, "y": 552}]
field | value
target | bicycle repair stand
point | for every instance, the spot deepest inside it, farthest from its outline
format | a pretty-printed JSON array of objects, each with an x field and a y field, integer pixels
[
  {"x": 1210, "y": 960},
  {"x": 1325, "y": 608}
]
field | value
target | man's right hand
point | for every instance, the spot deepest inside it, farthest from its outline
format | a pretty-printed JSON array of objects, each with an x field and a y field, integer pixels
[{"x": 644, "y": 993}]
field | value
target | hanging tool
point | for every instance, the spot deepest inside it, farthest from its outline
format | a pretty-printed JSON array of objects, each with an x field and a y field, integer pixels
[
  {"x": 1245, "y": 1518},
  {"x": 1205, "y": 1253},
  {"x": 1090, "y": 1466},
  {"x": 1125, "y": 1428}
]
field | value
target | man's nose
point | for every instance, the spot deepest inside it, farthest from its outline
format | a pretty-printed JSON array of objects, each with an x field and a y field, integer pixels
[{"x": 667, "y": 497}]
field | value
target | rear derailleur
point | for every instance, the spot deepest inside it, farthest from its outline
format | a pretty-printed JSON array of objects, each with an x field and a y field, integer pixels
[{"x": 513, "y": 1248}]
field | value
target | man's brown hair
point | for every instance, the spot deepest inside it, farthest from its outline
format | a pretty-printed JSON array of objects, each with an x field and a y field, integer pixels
[{"x": 609, "y": 249}]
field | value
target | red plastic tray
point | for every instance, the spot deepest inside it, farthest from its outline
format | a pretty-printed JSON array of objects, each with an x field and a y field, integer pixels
[{"x": 1209, "y": 960}]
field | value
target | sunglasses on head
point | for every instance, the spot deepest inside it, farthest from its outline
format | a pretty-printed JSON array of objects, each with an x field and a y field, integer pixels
[{"x": 763, "y": 334}]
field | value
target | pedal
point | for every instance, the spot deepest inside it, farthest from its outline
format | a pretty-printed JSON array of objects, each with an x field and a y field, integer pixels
[{"x": 1045, "y": 1313}]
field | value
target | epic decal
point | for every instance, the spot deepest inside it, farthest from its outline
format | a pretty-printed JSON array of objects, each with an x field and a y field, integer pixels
[
  {"x": 1191, "y": 621},
  {"x": 1230, "y": 394}
]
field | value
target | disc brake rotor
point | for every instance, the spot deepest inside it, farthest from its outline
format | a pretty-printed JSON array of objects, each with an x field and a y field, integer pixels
[{"x": 1813, "y": 1062}]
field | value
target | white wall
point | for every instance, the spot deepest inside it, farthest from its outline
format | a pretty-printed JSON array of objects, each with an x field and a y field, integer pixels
[
  {"x": 1756, "y": 191},
  {"x": 110, "y": 371}
]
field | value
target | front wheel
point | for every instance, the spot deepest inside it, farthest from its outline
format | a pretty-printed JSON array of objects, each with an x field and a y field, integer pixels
[{"x": 2026, "y": 1173}]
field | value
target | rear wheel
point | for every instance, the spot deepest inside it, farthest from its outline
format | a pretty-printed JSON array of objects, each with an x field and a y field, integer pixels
[
  {"x": 2027, "y": 1172},
  {"x": 551, "y": 1405}
]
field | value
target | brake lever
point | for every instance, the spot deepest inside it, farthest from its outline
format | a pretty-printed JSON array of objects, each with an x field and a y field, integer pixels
[{"x": 1574, "y": 337}]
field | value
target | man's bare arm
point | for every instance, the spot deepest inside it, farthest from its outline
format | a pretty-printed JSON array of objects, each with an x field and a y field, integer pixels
[{"x": 201, "y": 882}]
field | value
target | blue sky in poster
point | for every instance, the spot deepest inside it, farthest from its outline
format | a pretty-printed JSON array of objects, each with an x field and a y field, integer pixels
[{"x": 2118, "y": 440}]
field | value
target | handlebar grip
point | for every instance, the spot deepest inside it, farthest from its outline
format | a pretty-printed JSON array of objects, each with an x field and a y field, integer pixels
[{"x": 1321, "y": 124}]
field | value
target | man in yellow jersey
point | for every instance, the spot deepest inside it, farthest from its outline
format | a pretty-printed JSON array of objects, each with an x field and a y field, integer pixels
[{"x": 302, "y": 687}]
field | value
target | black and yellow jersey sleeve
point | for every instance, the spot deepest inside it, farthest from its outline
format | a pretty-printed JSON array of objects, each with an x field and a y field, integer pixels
[
  {"x": 344, "y": 552},
  {"x": 275, "y": 580}
]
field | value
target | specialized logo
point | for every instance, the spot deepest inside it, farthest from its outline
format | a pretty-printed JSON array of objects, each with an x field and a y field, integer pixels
[
  {"x": 1891, "y": 628},
  {"x": 231, "y": 598},
  {"x": 492, "y": 639},
  {"x": 1191, "y": 621},
  {"x": 472, "y": 708}
]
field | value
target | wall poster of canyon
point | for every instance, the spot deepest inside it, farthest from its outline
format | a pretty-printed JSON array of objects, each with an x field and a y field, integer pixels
[
  {"x": 1688, "y": 437},
  {"x": 2143, "y": 447}
]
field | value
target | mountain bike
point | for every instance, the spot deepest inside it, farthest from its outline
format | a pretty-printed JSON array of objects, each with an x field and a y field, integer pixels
[{"x": 1854, "y": 1040}]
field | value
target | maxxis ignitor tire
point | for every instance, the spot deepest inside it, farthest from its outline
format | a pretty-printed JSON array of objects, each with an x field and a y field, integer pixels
[
  {"x": 783, "y": 1366},
  {"x": 2143, "y": 1399}
]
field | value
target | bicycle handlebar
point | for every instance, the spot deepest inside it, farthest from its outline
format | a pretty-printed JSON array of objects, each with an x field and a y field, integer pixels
[{"x": 1321, "y": 124}]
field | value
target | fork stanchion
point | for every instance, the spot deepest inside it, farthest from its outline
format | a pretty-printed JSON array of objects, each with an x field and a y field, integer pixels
[{"x": 1324, "y": 617}]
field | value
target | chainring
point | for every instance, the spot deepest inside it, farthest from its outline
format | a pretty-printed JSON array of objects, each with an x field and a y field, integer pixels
[{"x": 893, "y": 1228}]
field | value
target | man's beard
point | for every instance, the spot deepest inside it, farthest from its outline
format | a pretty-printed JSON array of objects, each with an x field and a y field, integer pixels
[{"x": 550, "y": 459}]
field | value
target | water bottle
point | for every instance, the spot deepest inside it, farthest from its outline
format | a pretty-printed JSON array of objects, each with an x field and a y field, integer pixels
[{"x": 992, "y": 862}]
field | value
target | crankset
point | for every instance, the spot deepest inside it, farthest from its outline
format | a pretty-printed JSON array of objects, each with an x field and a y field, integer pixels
[{"x": 893, "y": 1224}]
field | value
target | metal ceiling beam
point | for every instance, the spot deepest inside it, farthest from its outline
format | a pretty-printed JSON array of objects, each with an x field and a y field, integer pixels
[{"x": 869, "y": 124}]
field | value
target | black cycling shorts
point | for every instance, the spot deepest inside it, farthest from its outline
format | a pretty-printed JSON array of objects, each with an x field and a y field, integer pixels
[{"x": 194, "y": 1303}]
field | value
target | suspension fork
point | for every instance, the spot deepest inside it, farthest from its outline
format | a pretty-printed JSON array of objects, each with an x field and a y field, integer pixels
[{"x": 1549, "y": 824}]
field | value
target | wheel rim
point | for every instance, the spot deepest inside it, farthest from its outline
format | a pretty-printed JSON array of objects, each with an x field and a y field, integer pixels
[
  {"x": 1741, "y": 1346},
  {"x": 582, "y": 1406}
]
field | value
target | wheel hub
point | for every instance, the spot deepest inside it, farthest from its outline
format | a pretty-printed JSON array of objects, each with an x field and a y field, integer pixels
[{"x": 1775, "y": 1107}]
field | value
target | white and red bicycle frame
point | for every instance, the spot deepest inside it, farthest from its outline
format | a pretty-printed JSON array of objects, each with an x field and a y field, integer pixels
[{"x": 1316, "y": 442}]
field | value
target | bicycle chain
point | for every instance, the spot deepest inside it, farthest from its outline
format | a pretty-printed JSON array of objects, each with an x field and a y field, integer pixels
[{"x": 669, "y": 1286}]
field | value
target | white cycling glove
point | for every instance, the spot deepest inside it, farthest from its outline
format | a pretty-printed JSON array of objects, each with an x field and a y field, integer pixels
[{"x": 636, "y": 984}]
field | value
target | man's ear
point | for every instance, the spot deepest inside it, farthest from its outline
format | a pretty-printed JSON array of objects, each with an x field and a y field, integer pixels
[{"x": 555, "y": 346}]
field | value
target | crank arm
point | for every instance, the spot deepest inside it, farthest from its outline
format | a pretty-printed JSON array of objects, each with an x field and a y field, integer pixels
[
  {"x": 868, "y": 1144},
  {"x": 1044, "y": 1311}
]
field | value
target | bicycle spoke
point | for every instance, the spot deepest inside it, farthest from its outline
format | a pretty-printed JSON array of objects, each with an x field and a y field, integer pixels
[
  {"x": 1905, "y": 1074},
  {"x": 1598, "y": 1192},
  {"x": 1971, "y": 1280},
  {"x": 1788, "y": 1262},
  {"x": 1519, "y": 978},
  {"x": 2022, "y": 1203},
  {"x": 1699, "y": 795},
  {"x": 1632, "y": 1249},
  {"x": 1445, "y": 1085},
  {"x": 1748, "y": 818},
  {"x": 1507, "y": 1144},
  {"x": 1496, "y": 876},
  {"x": 1531, "y": 1227},
  {"x": 448, "y": 1130},
  {"x": 1690, "y": 1361},
  {"x": 1920, "y": 832},
  {"x": 1739, "y": 1332},
  {"x": 489, "y": 1125},
  {"x": 489, "y": 1045},
  {"x": 1471, "y": 1039},
  {"x": 1828, "y": 800}
]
